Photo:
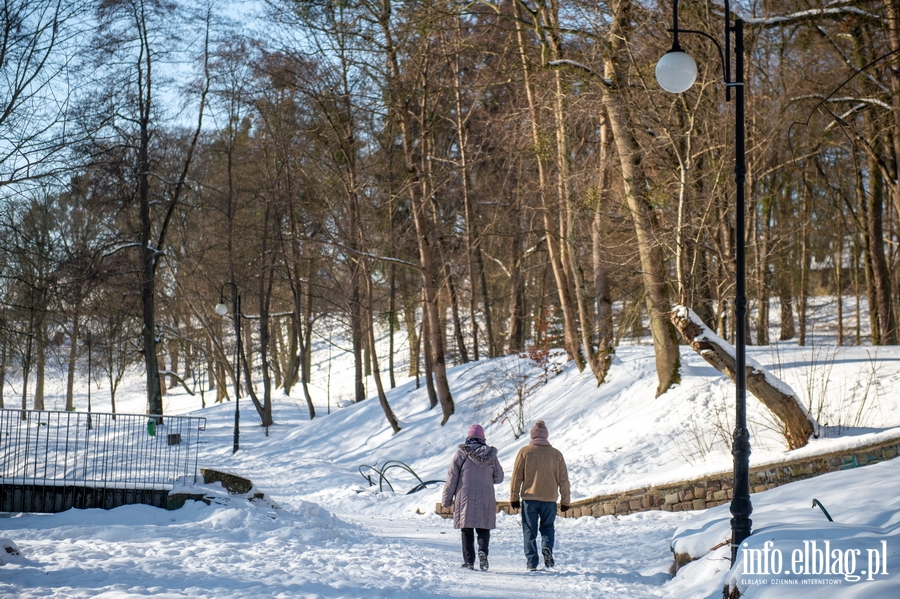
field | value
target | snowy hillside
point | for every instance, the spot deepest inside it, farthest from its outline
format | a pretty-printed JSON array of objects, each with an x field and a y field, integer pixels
[{"x": 325, "y": 532}]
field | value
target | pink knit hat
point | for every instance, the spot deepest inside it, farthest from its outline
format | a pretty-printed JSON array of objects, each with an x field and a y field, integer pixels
[
  {"x": 475, "y": 431},
  {"x": 539, "y": 430}
]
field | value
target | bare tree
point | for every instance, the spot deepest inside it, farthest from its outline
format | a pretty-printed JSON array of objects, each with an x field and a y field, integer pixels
[
  {"x": 135, "y": 34},
  {"x": 41, "y": 42}
]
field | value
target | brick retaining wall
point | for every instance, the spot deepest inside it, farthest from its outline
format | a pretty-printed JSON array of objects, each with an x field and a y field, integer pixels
[{"x": 710, "y": 491}]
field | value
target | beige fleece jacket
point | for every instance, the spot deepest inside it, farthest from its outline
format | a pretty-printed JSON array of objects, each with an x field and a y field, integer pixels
[{"x": 540, "y": 474}]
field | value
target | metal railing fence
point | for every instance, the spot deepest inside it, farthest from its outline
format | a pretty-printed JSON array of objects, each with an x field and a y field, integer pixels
[{"x": 98, "y": 449}]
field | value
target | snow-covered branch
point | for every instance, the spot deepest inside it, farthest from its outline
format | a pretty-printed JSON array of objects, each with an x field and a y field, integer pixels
[
  {"x": 566, "y": 63},
  {"x": 874, "y": 101},
  {"x": 807, "y": 15},
  {"x": 376, "y": 256},
  {"x": 774, "y": 393},
  {"x": 119, "y": 248}
]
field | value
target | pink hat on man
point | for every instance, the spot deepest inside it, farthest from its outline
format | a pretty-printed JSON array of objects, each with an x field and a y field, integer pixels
[
  {"x": 539, "y": 431},
  {"x": 475, "y": 431}
]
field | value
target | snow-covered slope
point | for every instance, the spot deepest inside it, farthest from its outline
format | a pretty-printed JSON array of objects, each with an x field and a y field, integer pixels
[{"x": 330, "y": 534}]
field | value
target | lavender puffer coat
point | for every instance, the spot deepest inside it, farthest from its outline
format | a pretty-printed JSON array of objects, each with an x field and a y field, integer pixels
[{"x": 470, "y": 486}]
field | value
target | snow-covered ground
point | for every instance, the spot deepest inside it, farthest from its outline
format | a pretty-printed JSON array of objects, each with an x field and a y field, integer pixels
[{"x": 323, "y": 532}]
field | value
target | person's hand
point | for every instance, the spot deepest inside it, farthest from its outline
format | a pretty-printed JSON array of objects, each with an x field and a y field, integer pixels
[
  {"x": 515, "y": 504},
  {"x": 563, "y": 507}
]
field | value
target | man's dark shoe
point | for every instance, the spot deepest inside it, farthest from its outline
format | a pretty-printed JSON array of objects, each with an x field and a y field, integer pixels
[
  {"x": 548, "y": 557},
  {"x": 469, "y": 566},
  {"x": 482, "y": 560}
]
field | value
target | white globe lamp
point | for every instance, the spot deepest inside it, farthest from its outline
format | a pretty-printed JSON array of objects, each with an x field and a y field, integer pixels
[{"x": 676, "y": 71}]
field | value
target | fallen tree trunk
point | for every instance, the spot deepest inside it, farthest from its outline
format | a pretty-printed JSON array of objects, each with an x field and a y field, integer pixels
[{"x": 771, "y": 391}]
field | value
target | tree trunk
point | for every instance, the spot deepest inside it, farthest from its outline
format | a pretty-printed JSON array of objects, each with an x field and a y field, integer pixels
[
  {"x": 603, "y": 323},
  {"x": 474, "y": 262},
  {"x": 153, "y": 235},
  {"x": 304, "y": 335},
  {"x": 893, "y": 19},
  {"x": 3, "y": 355},
  {"x": 762, "y": 271},
  {"x": 651, "y": 256},
  {"x": 73, "y": 359},
  {"x": 39, "y": 368},
  {"x": 880, "y": 274},
  {"x": 493, "y": 346},
  {"x": 516, "y": 340},
  {"x": 563, "y": 285},
  {"x": 417, "y": 188},
  {"x": 454, "y": 310},
  {"x": 278, "y": 353},
  {"x": 798, "y": 424},
  {"x": 784, "y": 266},
  {"x": 147, "y": 248},
  {"x": 642, "y": 213},
  {"x": 392, "y": 323},
  {"x": 803, "y": 291},
  {"x": 210, "y": 365},
  {"x": 412, "y": 336},
  {"x": 27, "y": 357},
  {"x": 266, "y": 282},
  {"x": 426, "y": 355},
  {"x": 356, "y": 334},
  {"x": 370, "y": 326},
  {"x": 856, "y": 291},
  {"x": 148, "y": 280},
  {"x": 598, "y": 361},
  {"x": 839, "y": 284}
]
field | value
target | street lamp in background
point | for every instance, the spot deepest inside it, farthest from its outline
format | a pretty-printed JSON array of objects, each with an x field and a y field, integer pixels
[
  {"x": 222, "y": 310},
  {"x": 90, "y": 352},
  {"x": 676, "y": 72}
]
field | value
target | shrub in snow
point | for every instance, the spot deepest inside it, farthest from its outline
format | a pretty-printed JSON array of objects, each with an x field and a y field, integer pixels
[{"x": 8, "y": 549}]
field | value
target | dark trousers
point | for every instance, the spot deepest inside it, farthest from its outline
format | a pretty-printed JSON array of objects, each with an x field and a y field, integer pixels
[
  {"x": 468, "y": 542},
  {"x": 537, "y": 517}
]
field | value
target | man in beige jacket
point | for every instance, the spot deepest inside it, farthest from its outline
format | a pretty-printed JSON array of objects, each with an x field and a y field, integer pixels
[{"x": 539, "y": 476}]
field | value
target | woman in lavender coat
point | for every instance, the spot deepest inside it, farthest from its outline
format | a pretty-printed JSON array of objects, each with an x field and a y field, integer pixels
[{"x": 470, "y": 489}]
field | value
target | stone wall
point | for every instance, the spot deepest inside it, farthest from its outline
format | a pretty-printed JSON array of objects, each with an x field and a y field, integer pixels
[{"x": 710, "y": 491}]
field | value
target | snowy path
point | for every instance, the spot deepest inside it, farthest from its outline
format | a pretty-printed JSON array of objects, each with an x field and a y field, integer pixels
[
  {"x": 604, "y": 558},
  {"x": 238, "y": 551}
]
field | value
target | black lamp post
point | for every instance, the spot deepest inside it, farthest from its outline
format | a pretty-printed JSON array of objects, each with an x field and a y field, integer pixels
[
  {"x": 676, "y": 72},
  {"x": 222, "y": 310}
]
